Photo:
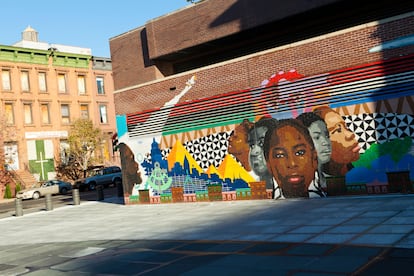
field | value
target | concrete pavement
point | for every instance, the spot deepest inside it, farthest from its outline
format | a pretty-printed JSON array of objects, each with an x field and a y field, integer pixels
[{"x": 352, "y": 235}]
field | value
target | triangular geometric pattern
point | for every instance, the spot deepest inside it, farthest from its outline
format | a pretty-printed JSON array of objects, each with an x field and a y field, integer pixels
[
  {"x": 379, "y": 127},
  {"x": 207, "y": 150},
  {"x": 363, "y": 126},
  {"x": 391, "y": 126}
]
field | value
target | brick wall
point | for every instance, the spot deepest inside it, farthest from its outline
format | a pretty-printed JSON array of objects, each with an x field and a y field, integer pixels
[
  {"x": 214, "y": 19},
  {"x": 130, "y": 64},
  {"x": 139, "y": 55},
  {"x": 319, "y": 55}
]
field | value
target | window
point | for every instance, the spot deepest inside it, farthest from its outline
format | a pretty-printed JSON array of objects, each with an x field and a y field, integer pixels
[
  {"x": 42, "y": 82},
  {"x": 81, "y": 85},
  {"x": 5, "y": 80},
  {"x": 64, "y": 151},
  {"x": 24, "y": 81},
  {"x": 84, "y": 111},
  {"x": 44, "y": 112},
  {"x": 9, "y": 112},
  {"x": 11, "y": 155},
  {"x": 103, "y": 114},
  {"x": 62, "y": 83},
  {"x": 100, "y": 85},
  {"x": 28, "y": 119},
  {"x": 64, "y": 111}
]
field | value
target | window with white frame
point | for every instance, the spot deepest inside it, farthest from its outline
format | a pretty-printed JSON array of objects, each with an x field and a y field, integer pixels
[
  {"x": 42, "y": 82},
  {"x": 27, "y": 108},
  {"x": 100, "y": 85},
  {"x": 9, "y": 113},
  {"x": 62, "y": 83},
  {"x": 5, "y": 80},
  {"x": 103, "y": 114},
  {"x": 81, "y": 85},
  {"x": 65, "y": 114},
  {"x": 24, "y": 81},
  {"x": 44, "y": 113}
]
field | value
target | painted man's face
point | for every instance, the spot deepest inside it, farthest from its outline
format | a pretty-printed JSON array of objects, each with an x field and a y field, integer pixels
[
  {"x": 345, "y": 147},
  {"x": 256, "y": 155},
  {"x": 292, "y": 161},
  {"x": 239, "y": 147},
  {"x": 321, "y": 140}
]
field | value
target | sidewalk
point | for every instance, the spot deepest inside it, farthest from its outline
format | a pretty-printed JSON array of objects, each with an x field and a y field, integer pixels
[
  {"x": 5, "y": 200},
  {"x": 367, "y": 235}
]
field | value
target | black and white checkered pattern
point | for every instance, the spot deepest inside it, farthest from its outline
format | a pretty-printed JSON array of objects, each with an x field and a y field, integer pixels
[
  {"x": 207, "y": 150},
  {"x": 379, "y": 127}
]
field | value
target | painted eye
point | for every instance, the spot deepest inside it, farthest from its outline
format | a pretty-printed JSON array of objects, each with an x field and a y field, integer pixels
[
  {"x": 338, "y": 129},
  {"x": 278, "y": 155},
  {"x": 300, "y": 153}
]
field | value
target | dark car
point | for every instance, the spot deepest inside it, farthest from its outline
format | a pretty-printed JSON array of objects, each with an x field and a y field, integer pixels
[{"x": 105, "y": 177}]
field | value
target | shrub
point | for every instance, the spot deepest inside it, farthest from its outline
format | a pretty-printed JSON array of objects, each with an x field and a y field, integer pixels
[
  {"x": 18, "y": 187},
  {"x": 8, "y": 193}
]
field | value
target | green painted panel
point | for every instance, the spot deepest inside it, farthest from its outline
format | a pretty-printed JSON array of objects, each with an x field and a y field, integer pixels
[
  {"x": 71, "y": 61},
  {"x": 16, "y": 55},
  {"x": 41, "y": 165},
  {"x": 26, "y": 55}
]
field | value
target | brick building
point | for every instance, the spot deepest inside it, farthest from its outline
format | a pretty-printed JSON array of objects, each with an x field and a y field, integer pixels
[
  {"x": 44, "y": 87},
  {"x": 304, "y": 53}
]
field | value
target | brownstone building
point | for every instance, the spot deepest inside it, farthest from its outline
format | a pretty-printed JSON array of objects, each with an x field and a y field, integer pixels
[{"x": 44, "y": 88}]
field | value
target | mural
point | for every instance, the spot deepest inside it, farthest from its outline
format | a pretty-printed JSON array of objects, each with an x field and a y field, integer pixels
[
  {"x": 291, "y": 157},
  {"x": 318, "y": 130},
  {"x": 293, "y": 136}
]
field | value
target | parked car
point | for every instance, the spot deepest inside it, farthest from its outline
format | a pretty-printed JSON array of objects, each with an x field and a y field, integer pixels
[
  {"x": 48, "y": 187},
  {"x": 105, "y": 176}
]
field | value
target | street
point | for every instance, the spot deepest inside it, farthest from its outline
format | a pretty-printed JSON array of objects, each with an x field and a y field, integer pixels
[{"x": 8, "y": 208}]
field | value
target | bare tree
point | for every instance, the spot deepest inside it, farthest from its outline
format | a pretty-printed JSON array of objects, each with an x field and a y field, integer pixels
[{"x": 7, "y": 134}]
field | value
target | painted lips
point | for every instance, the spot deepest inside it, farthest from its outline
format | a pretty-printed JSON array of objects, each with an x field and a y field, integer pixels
[
  {"x": 356, "y": 149},
  {"x": 295, "y": 179},
  {"x": 326, "y": 152}
]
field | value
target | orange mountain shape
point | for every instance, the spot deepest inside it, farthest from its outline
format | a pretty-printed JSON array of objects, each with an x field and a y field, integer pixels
[
  {"x": 230, "y": 168},
  {"x": 178, "y": 154}
]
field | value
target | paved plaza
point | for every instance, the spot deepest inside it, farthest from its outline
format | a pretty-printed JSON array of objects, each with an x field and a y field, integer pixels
[{"x": 350, "y": 235}]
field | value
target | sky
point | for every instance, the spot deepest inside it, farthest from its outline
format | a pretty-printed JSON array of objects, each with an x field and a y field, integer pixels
[{"x": 82, "y": 23}]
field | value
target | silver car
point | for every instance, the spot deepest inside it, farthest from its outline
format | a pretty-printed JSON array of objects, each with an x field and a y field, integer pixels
[{"x": 48, "y": 187}]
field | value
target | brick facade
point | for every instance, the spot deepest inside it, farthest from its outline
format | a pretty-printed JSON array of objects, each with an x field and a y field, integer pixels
[
  {"x": 211, "y": 20},
  {"x": 20, "y": 132},
  {"x": 321, "y": 54}
]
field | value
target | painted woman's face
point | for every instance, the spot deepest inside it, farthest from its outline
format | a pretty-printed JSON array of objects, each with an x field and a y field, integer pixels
[
  {"x": 256, "y": 155},
  {"x": 320, "y": 137},
  {"x": 345, "y": 148},
  {"x": 292, "y": 161}
]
